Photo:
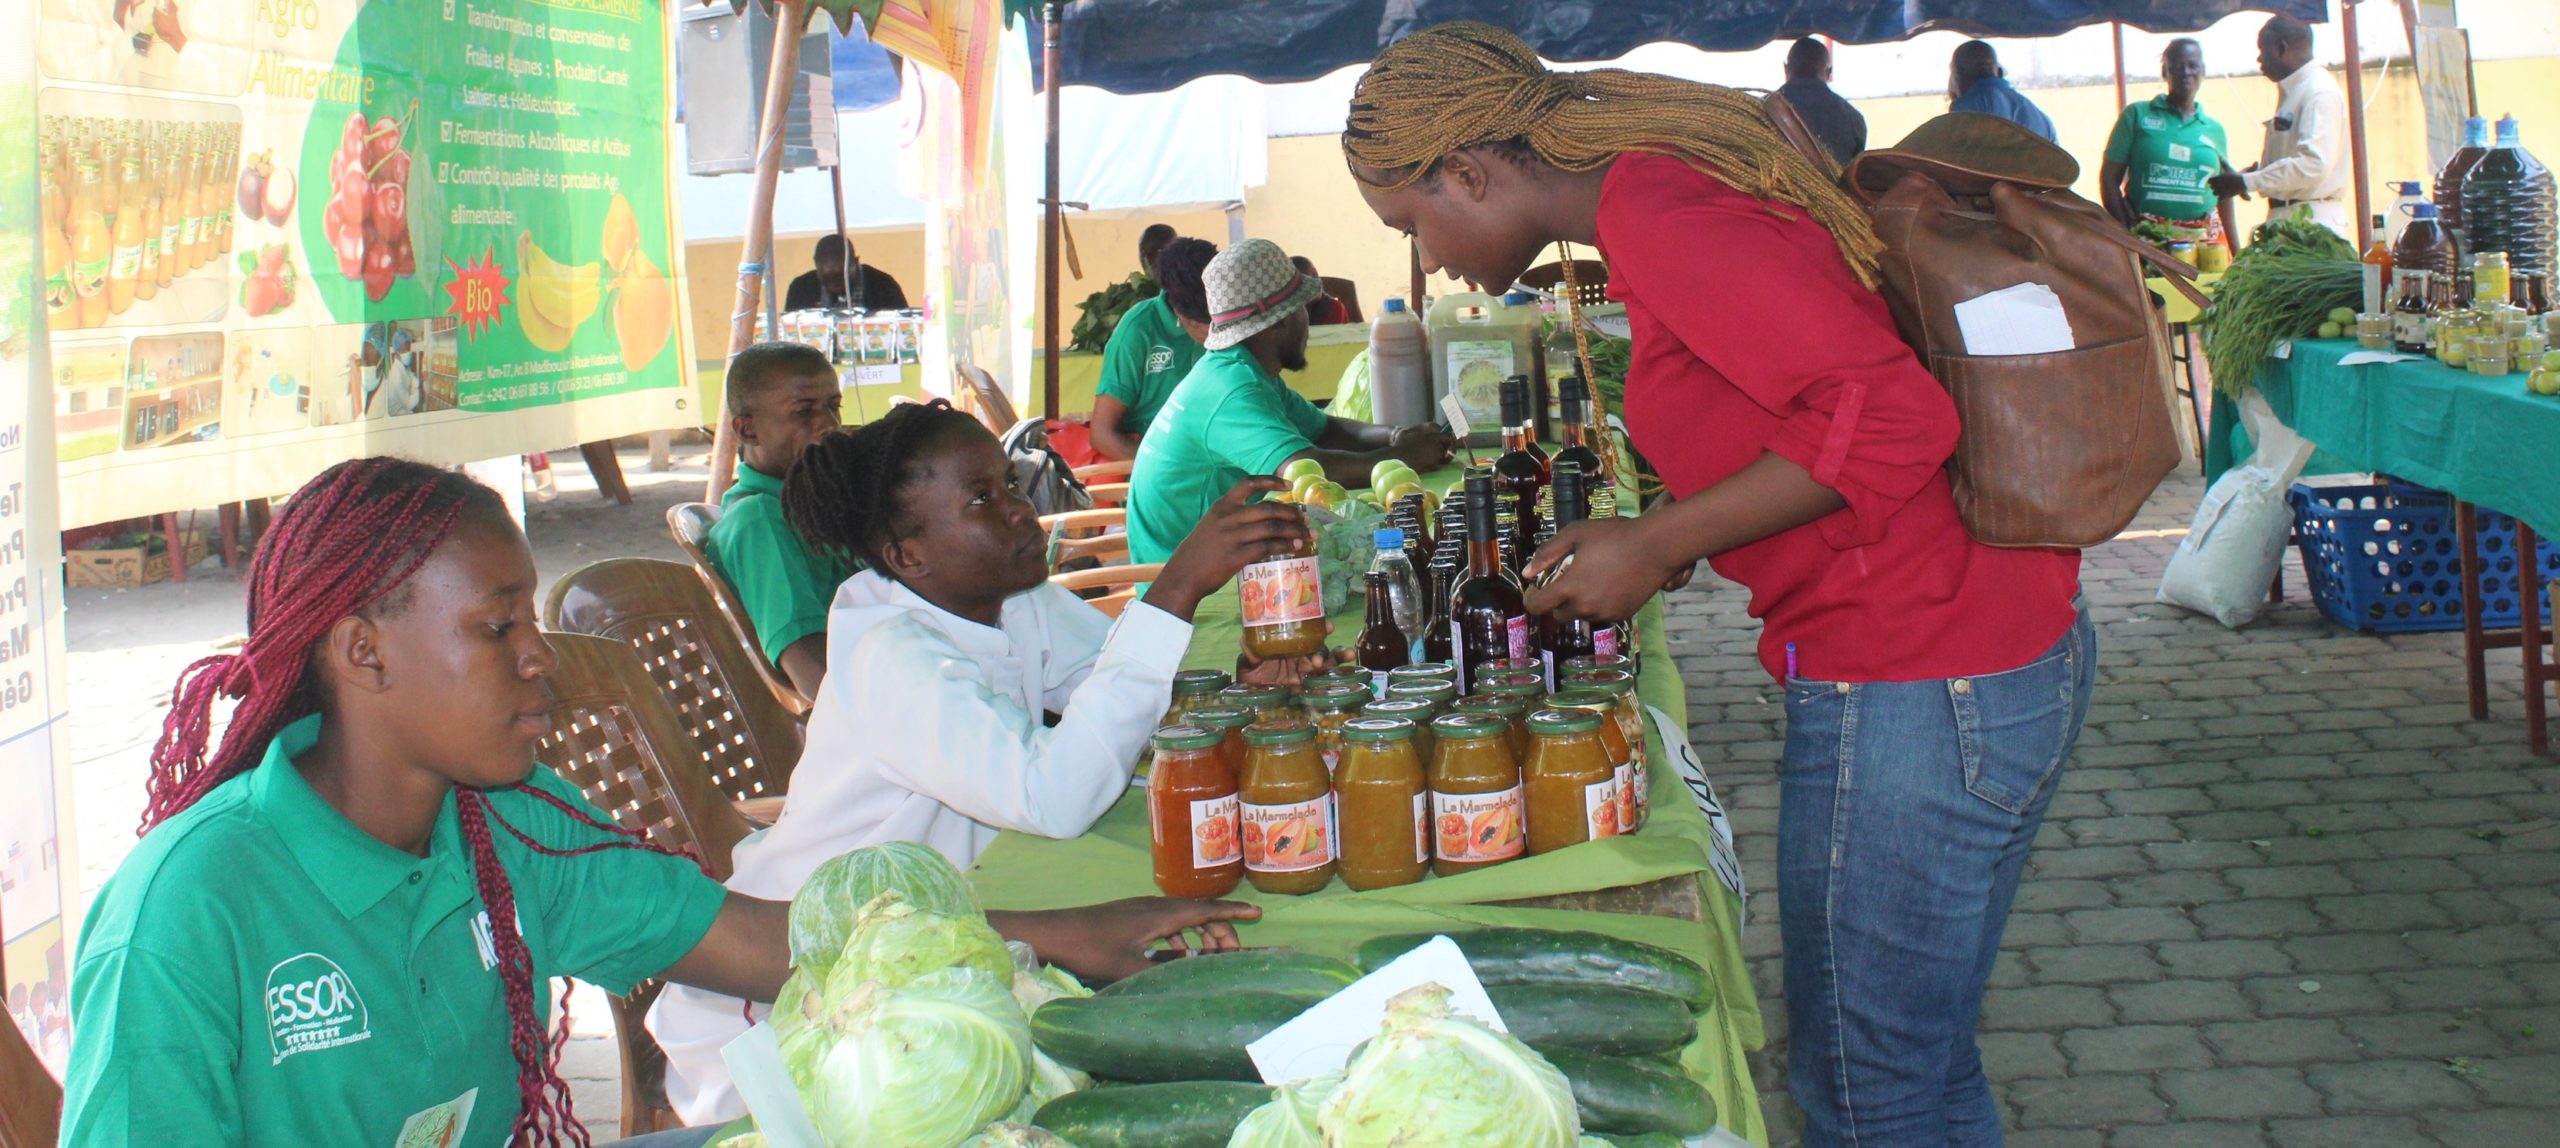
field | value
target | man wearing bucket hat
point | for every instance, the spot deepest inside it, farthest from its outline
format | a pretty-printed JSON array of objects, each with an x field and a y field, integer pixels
[{"x": 1232, "y": 416}]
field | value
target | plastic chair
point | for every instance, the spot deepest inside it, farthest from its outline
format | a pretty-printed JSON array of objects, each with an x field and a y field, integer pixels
[
  {"x": 1091, "y": 537},
  {"x": 1108, "y": 494},
  {"x": 1348, "y": 292},
  {"x": 745, "y": 742},
  {"x": 1117, "y": 470},
  {"x": 1590, "y": 275},
  {"x": 1121, "y": 582},
  {"x": 691, "y": 523},
  {"x": 617, "y": 739},
  {"x": 30, "y": 1100},
  {"x": 980, "y": 396}
]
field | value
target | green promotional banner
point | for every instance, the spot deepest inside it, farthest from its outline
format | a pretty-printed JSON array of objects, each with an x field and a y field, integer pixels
[{"x": 282, "y": 233}]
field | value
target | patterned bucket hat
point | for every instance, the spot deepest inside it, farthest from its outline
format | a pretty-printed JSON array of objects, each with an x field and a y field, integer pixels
[{"x": 1252, "y": 286}]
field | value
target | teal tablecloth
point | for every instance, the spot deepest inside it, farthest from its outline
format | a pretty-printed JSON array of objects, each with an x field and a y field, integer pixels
[{"x": 2486, "y": 441}]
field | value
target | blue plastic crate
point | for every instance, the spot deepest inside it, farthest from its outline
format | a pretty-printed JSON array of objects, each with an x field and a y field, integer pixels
[{"x": 2386, "y": 558}]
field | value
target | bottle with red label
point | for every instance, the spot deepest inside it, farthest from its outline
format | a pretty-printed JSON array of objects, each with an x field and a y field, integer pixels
[
  {"x": 1283, "y": 604},
  {"x": 1192, "y": 814},
  {"x": 1488, "y": 620},
  {"x": 1287, "y": 809}
]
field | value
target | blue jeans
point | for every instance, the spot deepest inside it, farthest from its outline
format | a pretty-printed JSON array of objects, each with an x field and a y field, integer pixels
[{"x": 1906, "y": 814}]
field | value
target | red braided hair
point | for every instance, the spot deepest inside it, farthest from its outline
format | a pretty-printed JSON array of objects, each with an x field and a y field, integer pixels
[{"x": 345, "y": 544}]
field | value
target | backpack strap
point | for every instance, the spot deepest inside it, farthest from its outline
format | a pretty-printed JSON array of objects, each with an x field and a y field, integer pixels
[{"x": 1791, "y": 128}]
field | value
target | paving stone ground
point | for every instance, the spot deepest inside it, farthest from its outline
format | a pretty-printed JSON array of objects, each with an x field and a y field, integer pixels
[{"x": 2287, "y": 894}]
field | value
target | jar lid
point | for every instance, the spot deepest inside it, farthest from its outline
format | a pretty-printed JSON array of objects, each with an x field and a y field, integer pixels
[
  {"x": 1331, "y": 696},
  {"x": 1377, "y": 729},
  {"x": 1221, "y": 718},
  {"x": 1340, "y": 671},
  {"x": 1597, "y": 662},
  {"x": 1259, "y": 697},
  {"x": 1422, "y": 670},
  {"x": 1433, "y": 690},
  {"x": 1513, "y": 666},
  {"x": 1582, "y": 699},
  {"x": 1512, "y": 685},
  {"x": 1188, "y": 683},
  {"x": 1282, "y": 733},
  {"x": 1613, "y": 682},
  {"x": 1408, "y": 709},
  {"x": 1464, "y": 726},
  {"x": 1562, "y": 722},
  {"x": 1188, "y": 737},
  {"x": 1506, "y": 705}
]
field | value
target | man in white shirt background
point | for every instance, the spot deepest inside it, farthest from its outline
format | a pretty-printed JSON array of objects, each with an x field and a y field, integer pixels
[{"x": 2303, "y": 168}]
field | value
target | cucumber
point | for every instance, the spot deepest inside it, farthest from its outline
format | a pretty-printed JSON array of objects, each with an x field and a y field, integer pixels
[
  {"x": 1190, "y": 1114},
  {"x": 1627, "y": 1097},
  {"x": 1152, "y": 1037},
  {"x": 1516, "y": 956},
  {"x": 1284, "y": 971},
  {"x": 1594, "y": 1018}
]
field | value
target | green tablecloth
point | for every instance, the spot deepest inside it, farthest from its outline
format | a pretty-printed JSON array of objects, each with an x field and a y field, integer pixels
[
  {"x": 2484, "y": 440},
  {"x": 1112, "y": 860}
]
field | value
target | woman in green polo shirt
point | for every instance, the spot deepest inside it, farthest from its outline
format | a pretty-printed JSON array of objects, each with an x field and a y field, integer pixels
[
  {"x": 340, "y": 925},
  {"x": 2164, "y": 151}
]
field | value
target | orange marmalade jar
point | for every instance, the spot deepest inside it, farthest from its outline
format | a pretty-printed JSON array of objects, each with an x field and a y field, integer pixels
[
  {"x": 1283, "y": 604},
  {"x": 1572, "y": 784},
  {"x": 1620, "y": 685},
  {"x": 1191, "y": 814},
  {"x": 1287, "y": 805},
  {"x": 1384, "y": 805},
  {"x": 1268, "y": 703},
  {"x": 1476, "y": 802},
  {"x": 1329, "y": 705},
  {"x": 1414, "y": 710},
  {"x": 1614, "y": 739},
  {"x": 1514, "y": 712},
  {"x": 1229, "y": 721}
]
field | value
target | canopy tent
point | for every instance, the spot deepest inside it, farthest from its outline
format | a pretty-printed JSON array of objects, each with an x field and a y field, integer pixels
[{"x": 1132, "y": 46}]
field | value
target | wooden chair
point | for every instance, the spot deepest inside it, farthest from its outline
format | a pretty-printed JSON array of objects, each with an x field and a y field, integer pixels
[
  {"x": 1108, "y": 494},
  {"x": 30, "y": 1099},
  {"x": 1121, "y": 582},
  {"x": 743, "y": 739},
  {"x": 1348, "y": 292},
  {"x": 691, "y": 523},
  {"x": 1591, "y": 275},
  {"x": 616, "y": 738},
  {"x": 980, "y": 396},
  {"x": 1079, "y": 536},
  {"x": 1117, "y": 471}
]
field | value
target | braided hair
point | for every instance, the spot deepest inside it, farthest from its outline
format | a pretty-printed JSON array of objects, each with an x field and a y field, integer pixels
[
  {"x": 1178, "y": 270},
  {"x": 345, "y": 545},
  {"x": 843, "y": 494},
  {"x": 1467, "y": 84}
]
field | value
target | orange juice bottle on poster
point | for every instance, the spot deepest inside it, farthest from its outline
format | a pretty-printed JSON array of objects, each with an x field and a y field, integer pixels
[
  {"x": 92, "y": 247},
  {"x": 124, "y": 266},
  {"x": 172, "y": 213},
  {"x": 60, "y": 305},
  {"x": 146, "y": 284},
  {"x": 55, "y": 189},
  {"x": 191, "y": 208},
  {"x": 226, "y": 174}
]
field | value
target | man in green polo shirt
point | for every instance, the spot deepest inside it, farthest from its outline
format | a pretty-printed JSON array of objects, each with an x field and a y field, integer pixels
[
  {"x": 780, "y": 398},
  {"x": 1154, "y": 346},
  {"x": 2164, "y": 152},
  {"x": 1232, "y": 416}
]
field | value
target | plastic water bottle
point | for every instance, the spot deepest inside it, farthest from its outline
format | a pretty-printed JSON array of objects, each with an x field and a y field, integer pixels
[
  {"x": 2507, "y": 205},
  {"x": 1404, "y": 587},
  {"x": 1399, "y": 368}
]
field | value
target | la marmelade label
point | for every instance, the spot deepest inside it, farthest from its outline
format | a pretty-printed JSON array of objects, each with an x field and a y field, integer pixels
[
  {"x": 1288, "y": 838},
  {"x": 1476, "y": 827},
  {"x": 1281, "y": 591}
]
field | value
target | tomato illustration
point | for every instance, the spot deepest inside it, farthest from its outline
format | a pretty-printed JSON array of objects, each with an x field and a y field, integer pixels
[{"x": 1254, "y": 853}]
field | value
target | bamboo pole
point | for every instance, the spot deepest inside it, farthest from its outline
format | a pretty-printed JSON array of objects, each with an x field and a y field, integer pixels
[
  {"x": 2355, "y": 123},
  {"x": 2118, "y": 25},
  {"x": 791, "y": 20},
  {"x": 1053, "y": 213}
]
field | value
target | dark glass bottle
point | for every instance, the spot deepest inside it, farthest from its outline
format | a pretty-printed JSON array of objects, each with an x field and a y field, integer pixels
[
  {"x": 1436, "y": 646},
  {"x": 1487, "y": 619},
  {"x": 1520, "y": 472},
  {"x": 1575, "y": 398},
  {"x": 1559, "y": 639},
  {"x": 1382, "y": 646}
]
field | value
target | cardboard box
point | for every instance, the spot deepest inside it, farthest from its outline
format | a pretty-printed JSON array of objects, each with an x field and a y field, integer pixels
[{"x": 128, "y": 566}]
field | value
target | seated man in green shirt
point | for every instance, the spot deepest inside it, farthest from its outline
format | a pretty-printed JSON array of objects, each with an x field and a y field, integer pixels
[
  {"x": 2164, "y": 152},
  {"x": 780, "y": 398},
  {"x": 1232, "y": 416},
  {"x": 1154, "y": 346}
]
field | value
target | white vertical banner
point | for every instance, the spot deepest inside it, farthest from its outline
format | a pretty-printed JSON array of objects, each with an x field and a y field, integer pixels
[{"x": 39, "y": 888}]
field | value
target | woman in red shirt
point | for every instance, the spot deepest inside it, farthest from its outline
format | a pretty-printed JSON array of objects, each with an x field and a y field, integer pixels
[{"x": 1805, "y": 447}]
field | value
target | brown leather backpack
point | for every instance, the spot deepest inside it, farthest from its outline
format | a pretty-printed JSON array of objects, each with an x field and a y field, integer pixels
[{"x": 2058, "y": 449}]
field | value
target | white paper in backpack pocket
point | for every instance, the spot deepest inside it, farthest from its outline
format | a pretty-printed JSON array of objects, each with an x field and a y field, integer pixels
[
  {"x": 2023, "y": 320},
  {"x": 1320, "y": 1039}
]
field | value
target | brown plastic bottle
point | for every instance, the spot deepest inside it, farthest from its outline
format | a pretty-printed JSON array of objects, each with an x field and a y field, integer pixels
[
  {"x": 1476, "y": 803},
  {"x": 1572, "y": 785},
  {"x": 1191, "y": 814},
  {"x": 1287, "y": 804},
  {"x": 1384, "y": 805}
]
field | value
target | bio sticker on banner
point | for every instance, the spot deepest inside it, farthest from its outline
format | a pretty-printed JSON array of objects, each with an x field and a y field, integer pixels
[
  {"x": 1281, "y": 591},
  {"x": 1288, "y": 838},
  {"x": 1321, "y": 1039}
]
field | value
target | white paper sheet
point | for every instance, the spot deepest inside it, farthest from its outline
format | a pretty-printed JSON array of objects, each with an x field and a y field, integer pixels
[
  {"x": 1320, "y": 1040},
  {"x": 755, "y": 1063},
  {"x": 1456, "y": 413},
  {"x": 2023, "y": 320},
  {"x": 2360, "y": 358}
]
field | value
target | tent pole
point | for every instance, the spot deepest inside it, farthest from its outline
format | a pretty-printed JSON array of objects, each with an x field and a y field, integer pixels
[
  {"x": 1053, "y": 213},
  {"x": 2120, "y": 97},
  {"x": 1413, "y": 248},
  {"x": 791, "y": 18},
  {"x": 2355, "y": 124}
]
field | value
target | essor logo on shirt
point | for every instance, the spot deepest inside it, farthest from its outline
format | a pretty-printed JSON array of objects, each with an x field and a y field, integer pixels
[
  {"x": 312, "y": 1004},
  {"x": 1159, "y": 358}
]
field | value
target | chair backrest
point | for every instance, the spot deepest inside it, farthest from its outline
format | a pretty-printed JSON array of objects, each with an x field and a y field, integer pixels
[
  {"x": 1121, "y": 582},
  {"x": 1087, "y": 537},
  {"x": 1590, "y": 275},
  {"x": 1348, "y": 292},
  {"x": 615, "y": 737},
  {"x": 744, "y": 740},
  {"x": 691, "y": 523},
  {"x": 30, "y": 1099},
  {"x": 1108, "y": 494},
  {"x": 981, "y": 396},
  {"x": 1115, "y": 469}
]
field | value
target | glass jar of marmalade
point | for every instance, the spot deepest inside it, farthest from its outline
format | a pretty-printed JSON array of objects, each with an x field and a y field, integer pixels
[
  {"x": 1192, "y": 814},
  {"x": 1620, "y": 685},
  {"x": 1477, "y": 809},
  {"x": 1229, "y": 721},
  {"x": 1384, "y": 804},
  {"x": 1286, "y": 799},
  {"x": 1283, "y": 604},
  {"x": 1514, "y": 712},
  {"x": 1414, "y": 710},
  {"x": 1329, "y": 705},
  {"x": 1614, "y": 739},
  {"x": 1268, "y": 703},
  {"x": 1572, "y": 785}
]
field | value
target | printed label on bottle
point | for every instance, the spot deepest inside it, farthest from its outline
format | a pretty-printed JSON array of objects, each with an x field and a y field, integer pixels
[
  {"x": 1518, "y": 630},
  {"x": 2409, "y": 328},
  {"x": 1600, "y": 808},
  {"x": 1626, "y": 783},
  {"x": 192, "y": 230},
  {"x": 1422, "y": 826},
  {"x": 89, "y": 276},
  {"x": 1281, "y": 591},
  {"x": 1604, "y": 640},
  {"x": 1213, "y": 832},
  {"x": 126, "y": 262},
  {"x": 1378, "y": 683},
  {"x": 57, "y": 290},
  {"x": 1643, "y": 789},
  {"x": 1473, "y": 827},
  {"x": 1474, "y": 370},
  {"x": 1288, "y": 838},
  {"x": 151, "y": 252}
]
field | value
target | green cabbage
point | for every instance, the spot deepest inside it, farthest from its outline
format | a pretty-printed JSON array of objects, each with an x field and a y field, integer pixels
[
  {"x": 1049, "y": 1081},
  {"x": 1036, "y": 984},
  {"x": 1009, "y": 1134},
  {"x": 743, "y": 1140},
  {"x": 1289, "y": 1120},
  {"x": 1430, "y": 1078},
  {"x": 824, "y": 912},
  {"x": 922, "y": 1066},
  {"x": 894, "y": 942}
]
